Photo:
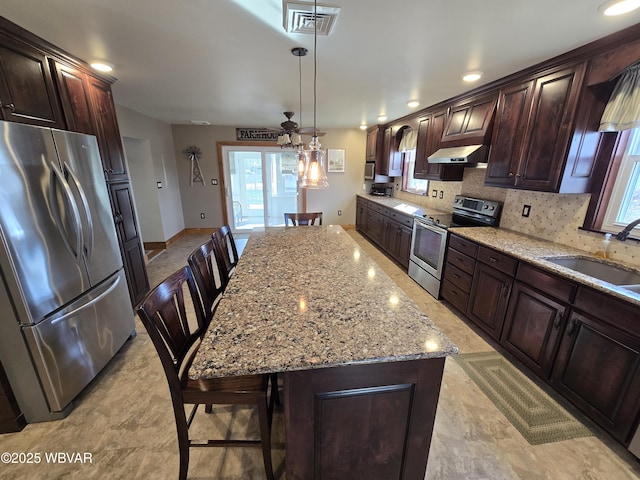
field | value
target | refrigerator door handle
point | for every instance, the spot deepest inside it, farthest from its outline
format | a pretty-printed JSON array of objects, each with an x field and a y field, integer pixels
[
  {"x": 88, "y": 304},
  {"x": 88, "y": 245},
  {"x": 58, "y": 179}
]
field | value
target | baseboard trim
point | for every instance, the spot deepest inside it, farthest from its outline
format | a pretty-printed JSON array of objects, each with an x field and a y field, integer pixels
[{"x": 176, "y": 237}]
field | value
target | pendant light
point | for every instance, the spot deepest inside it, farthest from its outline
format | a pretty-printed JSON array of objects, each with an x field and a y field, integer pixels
[
  {"x": 300, "y": 52},
  {"x": 314, "y": 175}
]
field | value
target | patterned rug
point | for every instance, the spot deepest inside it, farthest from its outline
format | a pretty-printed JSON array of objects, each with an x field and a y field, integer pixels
[{"x": 537, "y": 417}]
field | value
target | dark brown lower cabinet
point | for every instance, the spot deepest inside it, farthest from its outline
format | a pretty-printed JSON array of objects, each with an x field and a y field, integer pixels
[
  {"x": 489, "y": 299},
  {"x": 598, "y": 369},
  {"x": 129, "y": 239},
  {"x": 398, "y": 242},
  {"x": 11, "y": 418},
  {"x": 361, "y": 421},
  {"x": 532, "y": 327}
]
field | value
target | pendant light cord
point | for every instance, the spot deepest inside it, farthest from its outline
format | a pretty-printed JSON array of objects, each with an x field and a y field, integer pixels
[{"x": 315, "y": 48}]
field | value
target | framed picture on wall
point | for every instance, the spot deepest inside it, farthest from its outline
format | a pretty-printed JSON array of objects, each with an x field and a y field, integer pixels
[{"x": 335, "y": 160}]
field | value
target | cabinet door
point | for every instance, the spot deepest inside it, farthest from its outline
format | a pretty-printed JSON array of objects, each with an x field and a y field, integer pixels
[
  {"x": 550, "y": 128},
  {"x": 430, "y": 131},
  {"x": 598, "y": 369},
  {"x": 27, "y": 94},
  {"x": 514, "y": 103},
  {"x": 74, "y": 93},
  {"x": 129, "y": 240},
  {"x": 108, "y": 135},
  {"x": 361, "y": 215},
  {"x": 391, "y": 161},
  {"x": 532, "y": 327},
  {"x": 488, "y": 299},
  {"x": 372, "y": 144}
]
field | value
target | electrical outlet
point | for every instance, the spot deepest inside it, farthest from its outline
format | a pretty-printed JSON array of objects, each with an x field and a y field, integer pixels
[
  {"x": 202, "y": 216},
  {"x": 441, "y": 194},
  {"x": 214, "y": 181},
  {"x": 159, "y": 184},
  {"x": 526, "y": 210},
  {"x": 339, "y": 212},
  {"x": 364, "y": 186}
]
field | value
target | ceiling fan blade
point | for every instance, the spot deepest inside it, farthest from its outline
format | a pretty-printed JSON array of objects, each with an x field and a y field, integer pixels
[{"x": 309, "y": 131}]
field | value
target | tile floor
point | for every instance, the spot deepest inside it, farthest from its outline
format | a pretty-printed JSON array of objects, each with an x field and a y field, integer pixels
[{"x": 124, "y": 420}]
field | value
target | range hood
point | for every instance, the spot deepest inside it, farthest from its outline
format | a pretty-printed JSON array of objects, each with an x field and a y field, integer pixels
[{"x": 460, "y": 155}]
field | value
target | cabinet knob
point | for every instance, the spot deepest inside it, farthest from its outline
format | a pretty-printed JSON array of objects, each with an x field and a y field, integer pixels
[
  {"x": 10, "y": 106},
  {"x": 510, "y": 174},
  {"x": 571, "y": 327}
]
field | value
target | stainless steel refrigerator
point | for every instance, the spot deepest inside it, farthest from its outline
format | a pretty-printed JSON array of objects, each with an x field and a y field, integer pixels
[{"x": 65, "y": 308}]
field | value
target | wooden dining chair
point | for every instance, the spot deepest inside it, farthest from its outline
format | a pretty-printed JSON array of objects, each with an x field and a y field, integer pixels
[
  {"x": 209, "y": 273},
  {"x": 225, "y": 244},
  {"x": 297, "y": 219},
  {"x": 164, "y": 314}
]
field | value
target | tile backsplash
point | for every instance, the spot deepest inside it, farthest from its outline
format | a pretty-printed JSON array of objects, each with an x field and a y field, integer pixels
[{"x": 553, "y": 216}]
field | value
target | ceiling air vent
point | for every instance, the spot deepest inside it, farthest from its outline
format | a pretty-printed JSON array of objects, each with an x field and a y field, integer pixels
[{"x": 299, "y": 18}]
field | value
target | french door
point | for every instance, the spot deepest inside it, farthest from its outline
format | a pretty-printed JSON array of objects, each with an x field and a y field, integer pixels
[{"x": 260, "y": 185}]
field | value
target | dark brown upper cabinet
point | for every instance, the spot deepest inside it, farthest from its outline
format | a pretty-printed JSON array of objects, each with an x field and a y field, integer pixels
[
  {"x": 533, "y": 130},
  {"x": 108, "y": 133},
  {"x": 27, "y": 94},
  {"x": 374, "y": 143},
  {"x": 73, "y": 85},
  {"x": 391, "y": 159},
  {"x": 470, "y": 122},
  {"x": 430, "y": 130}
]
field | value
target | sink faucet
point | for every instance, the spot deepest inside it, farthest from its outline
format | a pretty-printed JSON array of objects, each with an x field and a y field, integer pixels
[{"x": 622, "y": 236}]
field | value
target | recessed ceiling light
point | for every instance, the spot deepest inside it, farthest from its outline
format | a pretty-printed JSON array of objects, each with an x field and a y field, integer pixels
[
  {"x": 363, "y": 127},
  {"x": 472, "y": 76},
  {"x": 618, "y": 7},
  {"x": 102, "y": 66},
  {"x": 413, "y": 103},
  {"x": 382, "y": 118}
]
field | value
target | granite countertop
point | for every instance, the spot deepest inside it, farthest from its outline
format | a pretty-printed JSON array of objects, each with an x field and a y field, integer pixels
[
  {"x": 534, "y": 250},
  {"x": 399, "y": 205},
  {"x": 310, "y": 297}
]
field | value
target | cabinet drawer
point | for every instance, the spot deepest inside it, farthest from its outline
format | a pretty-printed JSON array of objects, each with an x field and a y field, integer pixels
[
  {"x": 555, "y": 286},
  {"x": 401, "y": 218},
  {"x": 462, "y": 245},
  {"x": 454, "y": 295},
  {"x": 376, "y": 207},
  {"x": 499, "y": 261},
  {"x": 458, "y": 277},
  {"x": 460, "y": 260}
]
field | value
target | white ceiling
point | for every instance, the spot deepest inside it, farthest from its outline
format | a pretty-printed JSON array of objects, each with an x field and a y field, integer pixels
[{"x": 228, "y": 62}]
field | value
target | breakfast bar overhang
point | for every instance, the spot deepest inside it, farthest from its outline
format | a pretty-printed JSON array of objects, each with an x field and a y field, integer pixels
[{"x": 361, "y": 363}]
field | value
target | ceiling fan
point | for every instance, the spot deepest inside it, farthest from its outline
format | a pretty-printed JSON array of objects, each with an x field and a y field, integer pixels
[{"x": 289, "y": 127}]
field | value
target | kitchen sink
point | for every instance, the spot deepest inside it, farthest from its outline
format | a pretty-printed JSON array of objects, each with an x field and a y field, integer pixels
[{"x": 602, "y": 271}]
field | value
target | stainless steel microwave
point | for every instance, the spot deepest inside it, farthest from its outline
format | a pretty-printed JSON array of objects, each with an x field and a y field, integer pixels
[{"x": 369, "y": 170}]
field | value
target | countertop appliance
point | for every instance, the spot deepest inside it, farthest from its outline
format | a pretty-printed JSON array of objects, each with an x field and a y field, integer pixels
[
  {"x": 429, "y": 239},
  {"x": 382, "y": 189},
  {"x": 65, "y": 304}
]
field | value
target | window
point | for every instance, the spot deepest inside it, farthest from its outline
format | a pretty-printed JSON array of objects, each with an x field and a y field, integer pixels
[
  {"x": 410, "y": 184},
  {"x": 624, "y": 203}
]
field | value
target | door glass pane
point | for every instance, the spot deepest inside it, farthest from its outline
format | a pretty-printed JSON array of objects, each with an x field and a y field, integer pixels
[
  {"x": 281, "y": 191},
  {"x": 261, "y": 186}
]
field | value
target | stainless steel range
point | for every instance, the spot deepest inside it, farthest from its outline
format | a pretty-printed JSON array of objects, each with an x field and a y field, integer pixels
[{"x": 429, "y": 240}]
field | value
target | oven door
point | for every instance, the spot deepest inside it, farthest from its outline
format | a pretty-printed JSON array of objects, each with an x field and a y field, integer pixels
[{"x": 428, "y": 244}]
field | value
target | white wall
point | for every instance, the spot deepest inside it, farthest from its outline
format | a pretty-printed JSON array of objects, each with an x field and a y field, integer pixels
[
  {"x": 150, "y": 157},
  {"x": 207, "y": 198}
]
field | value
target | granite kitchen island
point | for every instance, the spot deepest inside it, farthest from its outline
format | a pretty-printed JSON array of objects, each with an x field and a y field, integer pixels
[{"x": 362, "y": 364}]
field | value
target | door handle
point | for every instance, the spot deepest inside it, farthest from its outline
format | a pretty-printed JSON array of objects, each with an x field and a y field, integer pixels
[
  {"x": 571, "y": 327},
  {"x": 10, "y": 106}
]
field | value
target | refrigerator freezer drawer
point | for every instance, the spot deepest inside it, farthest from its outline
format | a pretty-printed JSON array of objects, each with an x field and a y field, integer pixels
[{"x": 71, "y": 348}]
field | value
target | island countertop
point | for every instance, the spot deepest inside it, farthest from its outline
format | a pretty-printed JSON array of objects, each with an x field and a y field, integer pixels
[{"x": 309, "y": 297}]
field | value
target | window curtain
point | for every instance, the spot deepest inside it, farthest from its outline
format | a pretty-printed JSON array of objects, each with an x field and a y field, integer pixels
[
  {"x": 409, "y": 140},
  {"x": 623, "y": 110}
]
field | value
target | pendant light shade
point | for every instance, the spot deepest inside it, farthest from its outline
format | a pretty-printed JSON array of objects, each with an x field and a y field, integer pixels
[{"x": 314, "y": 175}]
